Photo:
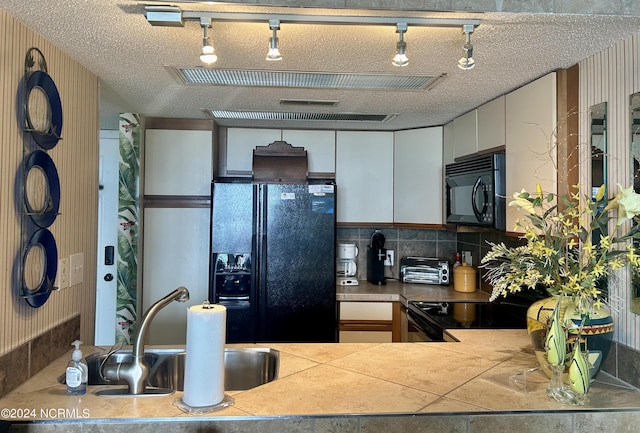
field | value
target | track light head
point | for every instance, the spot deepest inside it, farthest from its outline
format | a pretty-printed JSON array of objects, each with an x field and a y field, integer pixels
[
  {"x": 208, "y": 55},
  {"x": 401, "y": 59},
  {"x": 467, "y": 62},
  {"x": 274, "y": 53}
]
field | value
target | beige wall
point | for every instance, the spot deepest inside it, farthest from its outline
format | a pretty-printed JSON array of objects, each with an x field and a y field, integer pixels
[{"x": 76, "y": 159}]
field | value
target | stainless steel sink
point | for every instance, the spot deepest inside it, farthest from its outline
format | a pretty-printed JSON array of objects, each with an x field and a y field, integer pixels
[
  {"x": 95, "y": 360},
  {"x": 245, "y": 368}
]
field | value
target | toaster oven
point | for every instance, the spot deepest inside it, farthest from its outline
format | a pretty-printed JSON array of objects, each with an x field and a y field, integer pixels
[{"x": 425, "y": 270}]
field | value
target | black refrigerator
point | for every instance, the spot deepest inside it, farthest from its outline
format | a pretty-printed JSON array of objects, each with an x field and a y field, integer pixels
[{"x": 272, "y": 261}]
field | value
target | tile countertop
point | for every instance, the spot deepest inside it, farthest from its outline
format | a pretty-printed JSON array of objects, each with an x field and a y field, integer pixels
[
  {"x": 316, "y": 379},
  {"x": 397, "y": 291}
]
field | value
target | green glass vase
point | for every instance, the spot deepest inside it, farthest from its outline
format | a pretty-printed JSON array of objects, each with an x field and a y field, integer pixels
[{"x": 595, "y": 338}]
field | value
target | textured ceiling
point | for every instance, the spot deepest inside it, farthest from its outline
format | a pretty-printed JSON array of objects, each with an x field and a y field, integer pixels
[{"x": 114, "y": 40}]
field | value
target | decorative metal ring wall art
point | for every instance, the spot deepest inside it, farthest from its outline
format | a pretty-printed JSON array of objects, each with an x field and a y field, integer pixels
[
  {"x": 39, "y": 112},
  {"x": 39, "y": 267},
  {"x": 41, "y": 189},
  {"x": 43, "y": 110}
]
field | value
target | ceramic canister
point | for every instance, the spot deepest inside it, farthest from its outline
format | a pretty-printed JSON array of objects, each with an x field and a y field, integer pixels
[{"x": 464, "y": 278}]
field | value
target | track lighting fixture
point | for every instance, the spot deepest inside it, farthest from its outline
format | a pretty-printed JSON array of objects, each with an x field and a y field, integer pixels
[
  {"x": 208, "y": 55},
  {"x": 274, "y": 52},
  {"x": 467, "y": 62},
  {"x": 168, "y": 15},
  {"x": 400, "y": 59}
]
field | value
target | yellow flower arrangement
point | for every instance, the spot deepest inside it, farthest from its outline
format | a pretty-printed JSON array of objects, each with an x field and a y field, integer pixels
[{"x": 569, "y": 249}]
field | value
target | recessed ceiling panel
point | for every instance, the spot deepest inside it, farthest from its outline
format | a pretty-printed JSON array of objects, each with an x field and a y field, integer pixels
[
  {"x": 275, "y": 115},
  {"x": 309, "y": 80}
]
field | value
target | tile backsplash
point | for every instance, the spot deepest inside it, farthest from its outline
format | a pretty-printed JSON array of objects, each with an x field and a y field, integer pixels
[
  {"x": 405, "y": 242},
  {"x": 21, "y": 363}
]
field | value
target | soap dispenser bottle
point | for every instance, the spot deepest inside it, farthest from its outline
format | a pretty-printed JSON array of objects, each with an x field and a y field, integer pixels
[{"x": 77, "y": 372}]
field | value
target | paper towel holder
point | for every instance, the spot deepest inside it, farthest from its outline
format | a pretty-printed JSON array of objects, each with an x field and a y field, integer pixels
[{"x": 206, "y": 304}]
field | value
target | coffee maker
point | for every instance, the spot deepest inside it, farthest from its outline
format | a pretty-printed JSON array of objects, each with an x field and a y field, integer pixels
[
  {"x": 346, "y": 264},
  {"x": 376, "y": 254}
]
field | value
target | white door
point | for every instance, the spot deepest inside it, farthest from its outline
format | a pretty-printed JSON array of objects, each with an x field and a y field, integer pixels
[{"x": 106, "y": 285}]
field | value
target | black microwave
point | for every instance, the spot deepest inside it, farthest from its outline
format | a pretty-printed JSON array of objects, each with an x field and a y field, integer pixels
[{"x": 475, "y": 191}]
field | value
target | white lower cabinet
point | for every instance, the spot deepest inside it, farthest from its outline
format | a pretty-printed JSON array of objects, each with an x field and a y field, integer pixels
[{"x": 369, "y": 322}]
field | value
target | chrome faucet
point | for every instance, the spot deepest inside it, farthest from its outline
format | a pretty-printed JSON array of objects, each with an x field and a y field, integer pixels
[{"x": 136, "y": 372}]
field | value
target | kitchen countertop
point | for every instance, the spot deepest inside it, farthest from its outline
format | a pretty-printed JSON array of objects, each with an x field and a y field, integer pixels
[
  {"x": 319, "y": 379},
  {"x": 396, "y": 291}
]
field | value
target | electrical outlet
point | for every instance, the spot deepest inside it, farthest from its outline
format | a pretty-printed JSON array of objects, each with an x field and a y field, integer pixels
[
  {"x": 62, "y": 276},
  {"x": 390, "y": 257},
  {"x": 76, "y": 269}
]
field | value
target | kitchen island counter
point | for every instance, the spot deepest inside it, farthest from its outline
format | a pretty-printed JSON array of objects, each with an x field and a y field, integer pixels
[{"x": 323, "y": 385}]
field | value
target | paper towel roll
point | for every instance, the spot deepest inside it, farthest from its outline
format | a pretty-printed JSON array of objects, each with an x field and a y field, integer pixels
[{"x": 204, "y": 363}]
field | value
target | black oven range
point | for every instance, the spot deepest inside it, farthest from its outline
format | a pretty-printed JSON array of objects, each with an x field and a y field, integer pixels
[{"x": 428, "y": 321}]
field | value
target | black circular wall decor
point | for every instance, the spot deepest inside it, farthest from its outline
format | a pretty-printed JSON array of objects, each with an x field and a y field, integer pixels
[
  {"x": 41, "y": 189},
  {"x": 39, "y": 268},
  {"x": 39, "y": 111},
  {"x": 42, "y": 109}
]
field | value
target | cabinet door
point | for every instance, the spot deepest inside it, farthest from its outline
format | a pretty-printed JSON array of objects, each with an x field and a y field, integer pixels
[
  {"x": 465, "y": 135},
  {"x": 177, "y": 162},
  {"x": 530, "y": 148},
  {"x": 448, "y": 143},
  {"x": 320, "y": 147},
  {"x": 491, "y": 124},
  {"x": 418, "y": 177},
  {"x": 363, "y": 311},
  {"x": 240, "y": 145},
  {"x": 366, "y": 322},
  {"x": 364, "y": 176},
  {"x": 176, "y": 253}
]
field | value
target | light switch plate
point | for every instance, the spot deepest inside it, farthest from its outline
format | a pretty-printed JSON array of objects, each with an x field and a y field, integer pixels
[
  {"x": 76, "y": 269},
  {"x": 62, "y": 276}
]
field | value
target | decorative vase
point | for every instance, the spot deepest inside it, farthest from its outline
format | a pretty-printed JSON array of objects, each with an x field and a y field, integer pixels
[
  {"x": 561, "y": 392},
  {"x": 579, "y": 374},
  {"x": 556, "y": 351},
  {"x": 595, "y": 339}
]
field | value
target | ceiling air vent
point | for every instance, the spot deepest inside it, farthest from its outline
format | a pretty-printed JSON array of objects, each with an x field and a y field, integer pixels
[
  {"x": 275, "y": 115},
  {"x": 311, "y": 80},
  {"x": 310, "y": 102}
]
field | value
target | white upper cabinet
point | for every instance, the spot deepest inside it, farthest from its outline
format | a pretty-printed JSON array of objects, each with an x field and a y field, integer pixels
[
  {"x": 531, "y": 118},
  {"x": 320, "y": 147},
  {"x": 177, "y": 162},
  {"x": 364, "y": 176},
  {"x": 240, "y": 145},
  {"x": 418, "y": 176},
  {"x": 491, "y": 124},
  {"x": 447, "y": 143},
  {"x": 465, "y": 134}
]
